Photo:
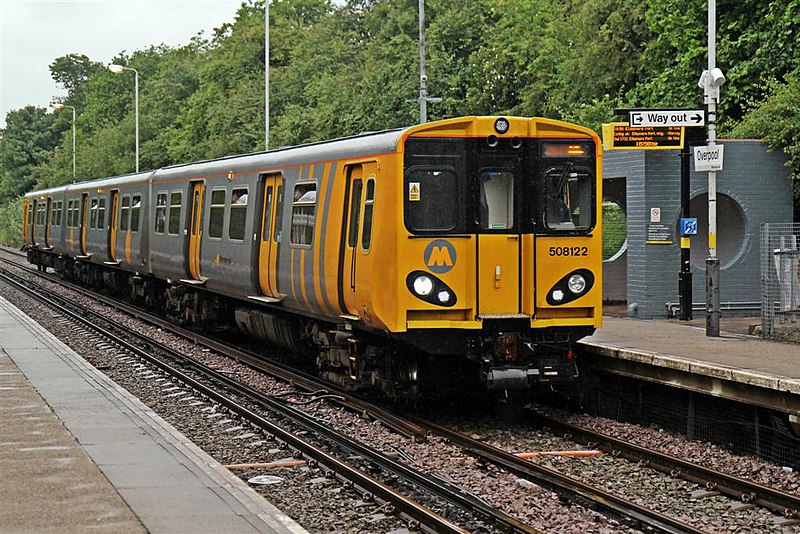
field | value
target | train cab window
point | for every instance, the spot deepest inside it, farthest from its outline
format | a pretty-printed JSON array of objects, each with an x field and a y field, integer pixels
[
  {"x": 304, "y": 208},
  {"x": 93, "y": 214},
  {"x": 369, "y": 207},
  {"x": 431, "y": 199},
  {"x": 568, "y": 197},
  {"x": 161, "y": 213},
  {"x": 30, "y": 216},
  {"x": 278, "y": 232},
  {"x": 175, "y": 213},
  {"x": 136, "y": 207},
  {"x": 567, "y": 185},
  {"x": 238, "y": 215},
  {"x": 125, "y": 213},
  {"x": 217, "y": 213},
  {"x": 101, "y": 214},
  {"x": 496, "y": 200}
]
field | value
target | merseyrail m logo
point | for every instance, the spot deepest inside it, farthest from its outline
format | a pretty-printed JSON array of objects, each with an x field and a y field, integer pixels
[{"x": 440, "y": 256}]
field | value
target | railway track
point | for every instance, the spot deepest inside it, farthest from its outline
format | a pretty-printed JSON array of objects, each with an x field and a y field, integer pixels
[
  {"x": 569, "y": 488},
  {"x": 236, "y": 398},
  {"x": 746, "y": 491}
]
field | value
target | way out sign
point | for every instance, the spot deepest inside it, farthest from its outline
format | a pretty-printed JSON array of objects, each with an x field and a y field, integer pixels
[{"x": 708, "y": 158}]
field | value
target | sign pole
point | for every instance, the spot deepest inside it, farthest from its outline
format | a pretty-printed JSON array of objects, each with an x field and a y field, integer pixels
[
  {"x": 685, "y": 275},
  {"x": 712, "y": 262}
]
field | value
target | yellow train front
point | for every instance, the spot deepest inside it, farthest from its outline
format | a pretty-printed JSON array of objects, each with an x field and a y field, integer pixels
[{"x": 485, "y": 261}]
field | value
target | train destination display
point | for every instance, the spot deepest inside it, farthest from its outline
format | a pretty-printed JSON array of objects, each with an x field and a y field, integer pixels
[{"x": 621, "y": 136}]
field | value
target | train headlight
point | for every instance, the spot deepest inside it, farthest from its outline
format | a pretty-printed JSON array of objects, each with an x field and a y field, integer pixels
[
  {"x": 428, "y": 287},
  {"x": 571, "y": 287},
  {"x": 576, "y": 284},
  {"x": 423, "y": 285}
]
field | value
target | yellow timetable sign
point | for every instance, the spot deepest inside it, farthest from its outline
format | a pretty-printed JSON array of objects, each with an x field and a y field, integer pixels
[{"x": 620, "y": 136}]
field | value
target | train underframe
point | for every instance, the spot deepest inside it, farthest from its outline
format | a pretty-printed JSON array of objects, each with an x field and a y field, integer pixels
[{"x": 505, "y": 356}]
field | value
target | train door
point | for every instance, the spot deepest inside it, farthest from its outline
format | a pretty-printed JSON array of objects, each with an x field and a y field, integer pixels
[
  {"x": 48, "y": 220},
  {"x": 113, "y": 226},
  {"x": 84, "y": 222},
  {"x": 268, "y": 247},
  {"x": 32, "y": 218},
  {"x": 499, "y": 241},
  {"x": 195, "y": 229},
  {"x": 26, "y": 211},
  {"x": 355, "y": 262},
  {"x": 37, "y": 222}
]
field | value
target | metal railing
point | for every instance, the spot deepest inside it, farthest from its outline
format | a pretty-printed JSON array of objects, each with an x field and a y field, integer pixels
[{"x": 780, "y": 280}]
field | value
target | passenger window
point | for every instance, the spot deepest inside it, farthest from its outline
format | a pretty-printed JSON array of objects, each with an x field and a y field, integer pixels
[
  {"x": 175, "y": 213},
  {"x": 101, "y": 214},
  {"x": 304, "y": 209},
  {"x": 369, "y": 203},
  {"x": 355, "y": 213},
  {"x": 497, "y": 200},
  {"x": 54, "y": 214},
  {"x": 432, "y": 197},
  {"x": 125, "y": 213},
  {"x": 161, "y": 212},
  {"x": 217, "y": 215},
  {"x": 93, "y": 214},
  {"x": 238, "y": 215},
  {"x": 136, "y": 206},
  {"x": 75, "y": 214},
  {"x": 278, "y": 235}
]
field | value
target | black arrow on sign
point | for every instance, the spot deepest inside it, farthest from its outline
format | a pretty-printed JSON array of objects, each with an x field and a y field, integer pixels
[
  {"x": 697, "y": 118},
  {"x": 637, "y": 119}
]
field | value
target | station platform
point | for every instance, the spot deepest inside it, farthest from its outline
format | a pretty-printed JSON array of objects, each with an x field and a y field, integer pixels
[
  {"x": 80, "y": 454},
  {"x": 734, "y": 366}
]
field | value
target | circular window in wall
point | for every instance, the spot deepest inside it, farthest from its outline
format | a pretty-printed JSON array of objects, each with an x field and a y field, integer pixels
[
  {"x": 731, "y": 230},
  {"x": 615, "y": 229}
]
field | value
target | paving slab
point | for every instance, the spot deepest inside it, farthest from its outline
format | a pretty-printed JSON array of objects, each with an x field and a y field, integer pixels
[
  {"x": 734, "y": 357},
  {"x": 103, "y": 459}
]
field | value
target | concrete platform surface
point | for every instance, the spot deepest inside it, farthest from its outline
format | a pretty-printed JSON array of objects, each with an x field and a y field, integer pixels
[
  {"x": 738, "y": 358},
  {"x": 80, "y": 454}
]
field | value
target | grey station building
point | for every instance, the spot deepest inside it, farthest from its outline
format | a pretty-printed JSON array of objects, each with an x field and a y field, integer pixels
[{"x": 754, "y": 187}]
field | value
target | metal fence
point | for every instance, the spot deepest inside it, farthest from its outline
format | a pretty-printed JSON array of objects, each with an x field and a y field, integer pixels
[{"x": 780, "y": 281}]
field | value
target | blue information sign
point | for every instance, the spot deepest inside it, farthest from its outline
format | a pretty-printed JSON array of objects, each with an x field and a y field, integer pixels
[{"x": 688, "y": 226}]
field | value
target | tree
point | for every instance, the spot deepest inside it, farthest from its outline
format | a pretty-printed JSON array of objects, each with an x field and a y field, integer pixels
[
  {"x": 777, "y": 121},
  {"x": 25, "y": 142}
]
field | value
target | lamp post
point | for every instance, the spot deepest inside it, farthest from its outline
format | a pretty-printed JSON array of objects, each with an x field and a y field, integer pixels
[
  {"x": 711, "y": 80},
  {"x": 117, "y": 69},
  {"x": 266, "y": 74},
  {"x": 59, "y": 107}
]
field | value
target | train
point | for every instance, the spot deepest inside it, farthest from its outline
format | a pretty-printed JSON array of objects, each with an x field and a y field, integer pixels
[{"x": 452, "y": 256}]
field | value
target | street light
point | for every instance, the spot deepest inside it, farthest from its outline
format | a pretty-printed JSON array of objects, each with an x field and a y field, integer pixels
[
  {"x": 59, "y": 107},
  {"x": 117, "y": 69}
]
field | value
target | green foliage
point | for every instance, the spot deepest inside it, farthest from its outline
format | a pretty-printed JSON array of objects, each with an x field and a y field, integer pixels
[
  {"x": 777, "y": 121},
  {"x": 25, "y": 142},
  {"x": 11, "y": 222},
  {"x": 615, "y": 228},
  {"x": 338, "y": 70}
]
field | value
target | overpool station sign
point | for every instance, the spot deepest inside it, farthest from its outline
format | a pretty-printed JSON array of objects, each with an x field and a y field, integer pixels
[{"x": 622, "y": 136}]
